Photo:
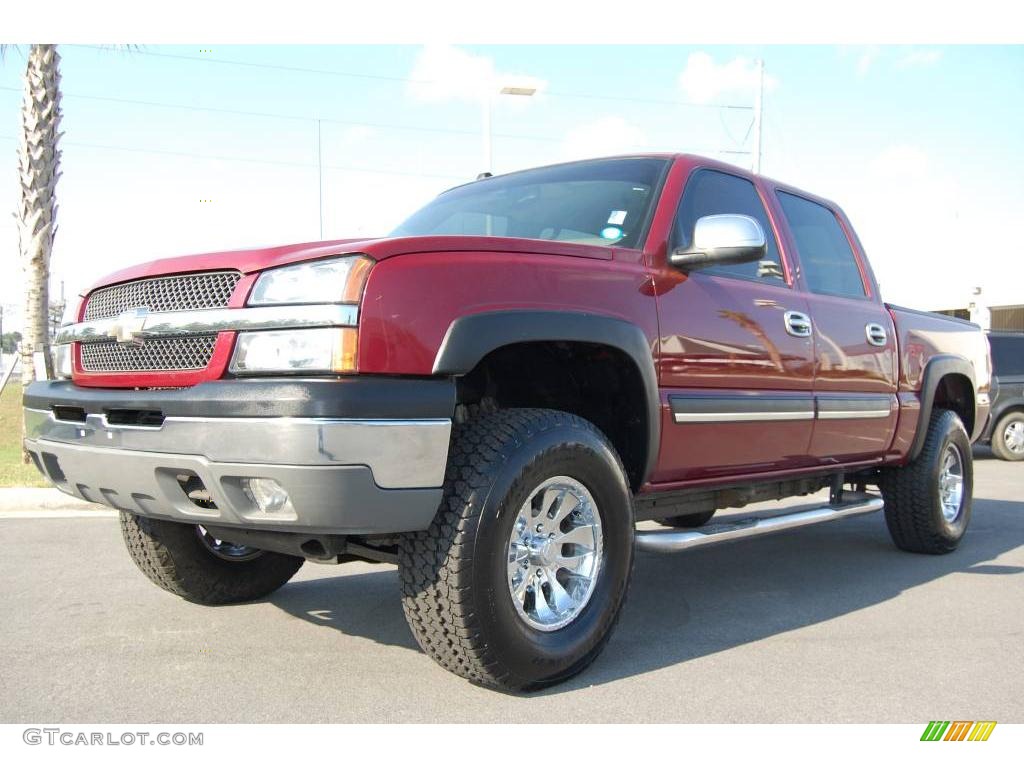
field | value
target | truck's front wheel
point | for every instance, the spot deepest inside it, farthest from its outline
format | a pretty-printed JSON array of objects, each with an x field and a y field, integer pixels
[
  {"x": 187, "y": 561},
  {"x": 519, "y": 580}
]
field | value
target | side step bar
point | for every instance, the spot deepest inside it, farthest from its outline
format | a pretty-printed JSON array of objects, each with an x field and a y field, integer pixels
[{"x": 677, "y": 541}]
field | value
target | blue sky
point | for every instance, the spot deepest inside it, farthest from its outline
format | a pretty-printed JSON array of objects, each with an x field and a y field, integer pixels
[{"x": 922, "y": 145}]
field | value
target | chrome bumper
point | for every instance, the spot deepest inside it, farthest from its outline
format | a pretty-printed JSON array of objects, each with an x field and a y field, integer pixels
[{"x": 343, "y": 475}]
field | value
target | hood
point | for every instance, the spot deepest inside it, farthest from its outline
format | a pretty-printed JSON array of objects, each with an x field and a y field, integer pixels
[{"x": 256, "y": 259}]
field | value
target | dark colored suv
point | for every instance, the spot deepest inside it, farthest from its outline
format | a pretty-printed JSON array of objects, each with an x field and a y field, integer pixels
[{"x": 1005, "y": 428}]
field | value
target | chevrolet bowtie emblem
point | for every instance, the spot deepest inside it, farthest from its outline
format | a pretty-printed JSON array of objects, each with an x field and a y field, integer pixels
[{"x": 128, "y": 326}]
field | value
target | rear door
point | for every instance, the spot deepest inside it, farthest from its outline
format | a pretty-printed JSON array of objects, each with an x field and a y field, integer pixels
[
  {"x": 855, "y": 361},
  {"x": 736, "y": 382}
]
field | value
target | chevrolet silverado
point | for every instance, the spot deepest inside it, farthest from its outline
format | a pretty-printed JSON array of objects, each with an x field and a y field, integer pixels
[{"x": 494, "y": 395}]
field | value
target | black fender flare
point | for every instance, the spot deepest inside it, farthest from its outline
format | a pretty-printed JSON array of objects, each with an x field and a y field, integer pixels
[
  {"x": 472, "y": 337},
  {"x": 934, "y": 371}
]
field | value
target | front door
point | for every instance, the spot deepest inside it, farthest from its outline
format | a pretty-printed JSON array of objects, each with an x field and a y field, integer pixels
[{"x": 735, "y": 365}]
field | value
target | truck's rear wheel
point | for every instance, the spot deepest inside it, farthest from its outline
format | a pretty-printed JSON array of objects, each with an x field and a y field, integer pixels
[
  {"x": 1008, "y": 437},
  {"x": 187, "y": 561},
  {"x": 519, "y": 580},
  {"x": 690, "y": 520},
  {"x": 928, "y": 501}
]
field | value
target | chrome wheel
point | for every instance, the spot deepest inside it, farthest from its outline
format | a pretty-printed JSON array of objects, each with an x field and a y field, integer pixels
[
  {"x": 554, "y": 553},
  {"x": 226, "y": 550},
  {"x": 951, "y": 483},
  {"x": 1013, "y": 436}
]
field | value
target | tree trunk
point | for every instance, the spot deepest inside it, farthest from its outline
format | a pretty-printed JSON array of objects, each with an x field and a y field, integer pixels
[{"x": 38, "y": 171}]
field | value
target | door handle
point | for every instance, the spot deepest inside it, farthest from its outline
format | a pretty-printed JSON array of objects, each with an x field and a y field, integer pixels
[
  {"x": 877, "y": 337},
  {"x": 797, "y": 324}
]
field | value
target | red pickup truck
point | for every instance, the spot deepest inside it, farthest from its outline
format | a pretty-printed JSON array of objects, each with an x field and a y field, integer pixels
[{"x": 494, "y": 395}]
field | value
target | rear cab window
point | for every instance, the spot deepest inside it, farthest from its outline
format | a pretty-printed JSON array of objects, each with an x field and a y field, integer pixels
[{"x": 829, "y": 264}]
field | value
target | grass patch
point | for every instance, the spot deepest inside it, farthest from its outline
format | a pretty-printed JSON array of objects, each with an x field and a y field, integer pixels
[{"x": 13, "y": 473}]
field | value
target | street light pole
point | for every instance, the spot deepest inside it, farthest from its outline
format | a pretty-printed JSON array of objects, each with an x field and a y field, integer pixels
[
  {"x": 487, "y": 146},
  {"x": 758, "y": 115},
  {"x": 487, "y": 105}
]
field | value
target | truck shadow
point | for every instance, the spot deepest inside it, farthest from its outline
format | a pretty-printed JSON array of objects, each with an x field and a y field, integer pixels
[{"x": 695, "y": 604}]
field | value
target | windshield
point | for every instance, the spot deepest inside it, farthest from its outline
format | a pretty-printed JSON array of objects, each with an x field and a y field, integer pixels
[{"x": 598, "y": 202}]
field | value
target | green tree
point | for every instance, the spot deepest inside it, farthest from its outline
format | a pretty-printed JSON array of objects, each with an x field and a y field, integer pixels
[{"x": 10, "y": 341}]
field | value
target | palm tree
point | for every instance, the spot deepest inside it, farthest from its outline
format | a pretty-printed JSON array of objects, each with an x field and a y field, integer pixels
[{"x": 38, "y": 172}]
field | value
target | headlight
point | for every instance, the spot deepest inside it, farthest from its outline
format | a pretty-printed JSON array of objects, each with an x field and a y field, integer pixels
[
  {"x": 62, "y": 366},
  {"x": 70, "y": 316},
  {"x": 316, "y": 350},
  {"x": 315, "y": 282},
  {"x": 62, "y": 361}
]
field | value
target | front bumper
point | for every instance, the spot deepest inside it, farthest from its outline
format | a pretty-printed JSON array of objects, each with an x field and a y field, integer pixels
[{"x": 356, "y": 456}]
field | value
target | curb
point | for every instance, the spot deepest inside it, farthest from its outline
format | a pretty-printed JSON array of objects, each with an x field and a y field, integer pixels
[{"x": 46, "y": 500}]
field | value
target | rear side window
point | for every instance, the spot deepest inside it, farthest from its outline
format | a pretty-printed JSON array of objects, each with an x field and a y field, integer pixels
[
  {"x": 1007, "y": 355},
  {"x": 709, "y": 193},
  {"x": 828, "y": 262}
]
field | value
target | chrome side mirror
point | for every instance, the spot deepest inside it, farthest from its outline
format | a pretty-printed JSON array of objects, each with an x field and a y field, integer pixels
[{"x": 727, "y": 238}]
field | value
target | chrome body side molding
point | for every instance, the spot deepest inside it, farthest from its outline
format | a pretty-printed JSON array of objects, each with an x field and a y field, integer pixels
[{"x": 761, "y": 406}]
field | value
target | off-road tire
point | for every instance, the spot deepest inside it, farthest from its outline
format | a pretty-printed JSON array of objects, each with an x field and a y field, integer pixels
[
  {"x": 453, "y": 576},
  {"x": 173, "y": 557},
  {"x": 913, "y": 510},
  {"x": 691, "y": 520},
  {"x": 999, "y": 446}
]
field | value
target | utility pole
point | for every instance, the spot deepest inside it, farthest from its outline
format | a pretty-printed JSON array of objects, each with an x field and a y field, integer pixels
[
  {"x": 486, "y": 125},
  {"x": 758, "y": 115},
  {"x": 320, "y": 178}
]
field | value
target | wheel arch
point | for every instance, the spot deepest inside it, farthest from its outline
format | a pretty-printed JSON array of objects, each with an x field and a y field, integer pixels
[
  {"x": 473, "y": 339},
  {"x": 948, "y": 382}
]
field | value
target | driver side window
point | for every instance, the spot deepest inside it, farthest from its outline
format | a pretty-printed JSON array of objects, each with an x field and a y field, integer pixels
[{"x": 712, "y": 192}]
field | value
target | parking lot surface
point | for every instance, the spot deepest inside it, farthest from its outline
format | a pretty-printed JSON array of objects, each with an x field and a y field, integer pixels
[{"x": 825, "y": 624}]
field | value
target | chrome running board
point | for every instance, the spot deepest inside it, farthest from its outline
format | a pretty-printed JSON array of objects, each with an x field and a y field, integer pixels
[{"x": 679, "y": 540}]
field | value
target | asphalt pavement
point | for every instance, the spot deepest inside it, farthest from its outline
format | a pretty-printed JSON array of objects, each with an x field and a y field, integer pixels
[{"x": 824, "y": 624}]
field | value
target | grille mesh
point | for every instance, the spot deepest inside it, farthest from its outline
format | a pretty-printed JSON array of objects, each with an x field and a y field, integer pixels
[
  {"x": 163, "y": 294},
  {"x": 186, "y": 353}
]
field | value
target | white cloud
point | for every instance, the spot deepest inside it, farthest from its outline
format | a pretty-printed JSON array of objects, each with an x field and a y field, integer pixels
[
  {"x": 444, "y": 73},
  {"x": 902, "y": 161},
  {"x": 606, "y": 136},
  {"x": 907, "y": 211},
  {"x": 867, "y": 59},
  {"x": 869, "y": 55},
  {"x": 703, "y": 80},
  {"x": 919, "y": 58},
  {"x": 357, "y": 133}
]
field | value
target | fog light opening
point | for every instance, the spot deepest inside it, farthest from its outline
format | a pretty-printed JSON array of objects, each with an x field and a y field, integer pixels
[
  {"x": 314, "y": 548},
  {"x": 268, "y": 495},
  {"x": 53, "y": 470},
  {"x": 196, "y": 490}
]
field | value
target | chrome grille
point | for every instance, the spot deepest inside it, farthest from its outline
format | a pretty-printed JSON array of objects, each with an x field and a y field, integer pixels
[
  {"x": 203, "y": 290},
  {"x": 185, "y": 353}
]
